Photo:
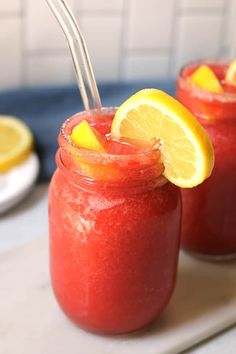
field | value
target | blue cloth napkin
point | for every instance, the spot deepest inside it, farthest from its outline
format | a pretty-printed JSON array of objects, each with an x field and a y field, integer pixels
[{"x": 44, "y": 110}]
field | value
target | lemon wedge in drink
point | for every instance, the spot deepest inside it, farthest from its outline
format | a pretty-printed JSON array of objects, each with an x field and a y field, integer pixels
[
  {"x": 205, "y": 78},
  {"x": 230, "y": 76},
  {"x": 16, "y": 142},
  {"x": 186, "y": 149},
  {"x": 87, "y": 137}
]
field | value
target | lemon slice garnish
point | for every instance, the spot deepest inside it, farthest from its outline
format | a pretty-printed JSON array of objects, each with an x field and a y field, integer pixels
[
  {"x": 205, "y": 78},
  {"x": 186, "y": 149},
  {"x": 230, "y": 76},
  {"x": 16, "y": 142}
]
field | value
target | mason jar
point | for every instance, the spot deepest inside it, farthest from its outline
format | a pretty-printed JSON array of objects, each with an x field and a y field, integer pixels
[
  {"x": 209, "y": 210},
  {"x": 114, "y": 234}
]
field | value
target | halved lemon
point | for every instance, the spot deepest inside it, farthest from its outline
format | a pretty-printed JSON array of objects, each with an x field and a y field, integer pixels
[
  {"x": 206, "y": 79},
  {"x": 16, "y": 142},
  {"x": 230, "y": 76},
  {"x": 186, "y": 149}
]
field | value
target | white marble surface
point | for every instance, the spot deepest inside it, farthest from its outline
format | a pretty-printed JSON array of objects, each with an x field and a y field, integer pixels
[{"x": 29, "y": 221}]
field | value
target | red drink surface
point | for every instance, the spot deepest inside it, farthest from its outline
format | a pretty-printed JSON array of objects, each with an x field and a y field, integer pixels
[
  {"x": 209, "y": 210},
  {"x": 114, "y": 242}
]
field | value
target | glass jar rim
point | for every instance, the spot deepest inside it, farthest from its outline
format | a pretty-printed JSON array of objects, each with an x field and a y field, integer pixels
[
  {"x": 66, "y": 143},
  {"x": 88, "y": 182},
  {"x": 135, "y": 169},
  {"x": 225, "y": 97}
]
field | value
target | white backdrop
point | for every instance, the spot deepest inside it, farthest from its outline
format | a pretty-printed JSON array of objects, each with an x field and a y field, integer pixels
[{"x": 127, "y": 39}]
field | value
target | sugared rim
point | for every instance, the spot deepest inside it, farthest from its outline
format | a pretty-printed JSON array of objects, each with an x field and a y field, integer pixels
[
  {"x": 66, "y": 143},
  {"x": 225, "y": 97},
  {"x": 83, "y": 180}
]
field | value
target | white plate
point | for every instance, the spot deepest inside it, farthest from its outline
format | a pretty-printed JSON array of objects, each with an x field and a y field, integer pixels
[{"x": 16, "y": 184}]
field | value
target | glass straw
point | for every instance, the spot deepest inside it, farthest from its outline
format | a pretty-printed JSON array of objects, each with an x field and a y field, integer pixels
[{"x": 79, "y": 52}]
